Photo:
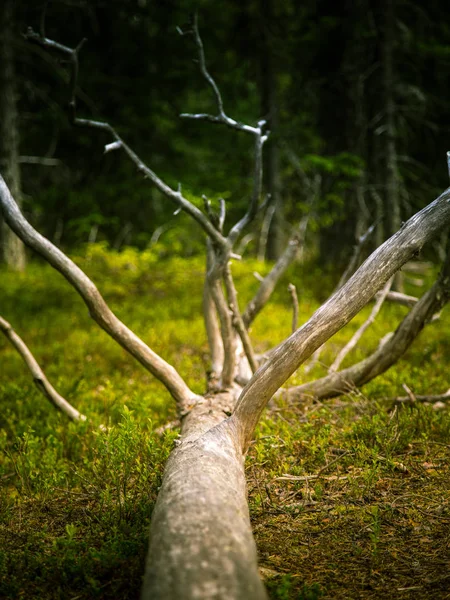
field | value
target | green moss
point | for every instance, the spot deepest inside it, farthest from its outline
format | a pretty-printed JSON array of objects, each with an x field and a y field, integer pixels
[{"x": 76, "y": 500}]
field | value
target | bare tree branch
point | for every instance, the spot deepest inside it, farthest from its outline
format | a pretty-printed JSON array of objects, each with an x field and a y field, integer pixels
[
  {"x": 238, "y": 321},
  {"x": 175, "y": 196},
  {"x": 421, "y": 398},
  {"x": 214, "y": 276},
  {"x": 354, "y": 259},
  {"x": 356, "y": 255},
  {"x": 221, "y": 117},
  {"x": 264, "y": 232},
  {"x": 237, "y": 229},
  {"x": 212, "y": 325},
  {"x": 360, "y": 332},
  {"x": 390, "y": 349},
  {"x": 40, "y": 380},
  {"x": 293, "y": 291},
  {"x": 269, "y": 282},
  {"x": 97, "y": 306},
  {"x": 338, "y": 311},
  {"x": 399, "y": 298}
]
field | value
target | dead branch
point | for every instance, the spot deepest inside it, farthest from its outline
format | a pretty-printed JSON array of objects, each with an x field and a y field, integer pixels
[
  {"x": 410, "y": 393},
  {"x": 264, "y": 233},
  {"x": 175, "y": 196},
  {"x": 97, "y": 306},
  {"x": 356, "y": 255},
  {"x": 269, "y": 282},
  {"x": 339, "y": 310},
  {"x": 388, "y": 352},
  {"x": 423, "y": 398},
  {"x": 238, "y": 321},
  {"x": 293, "y": 291},
  {"x": 360, "y": 332},
  {"x": 39, "y": 378},
  {"x": 354, "y": 259},
  {"x": 223, "y": 118},
  {"x": 212, "y": 325},
  {"x": 226, "y": 324},
  {"x": 399, "y": 298}
]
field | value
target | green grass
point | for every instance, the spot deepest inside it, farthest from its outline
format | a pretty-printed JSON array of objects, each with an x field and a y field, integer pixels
[{"x": 76, "y": 500}]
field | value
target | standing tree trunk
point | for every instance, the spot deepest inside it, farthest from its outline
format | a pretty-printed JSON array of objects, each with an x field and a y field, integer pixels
[
  {"x": 12, "y": 251},
  {"x": 392, "y": 197},
  {"x": 392, "y": 204},
  {"x": 269, "y": 101}
]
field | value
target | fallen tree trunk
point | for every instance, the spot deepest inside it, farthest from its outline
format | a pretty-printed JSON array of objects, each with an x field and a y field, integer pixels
[{"x": 201, "y": 541}]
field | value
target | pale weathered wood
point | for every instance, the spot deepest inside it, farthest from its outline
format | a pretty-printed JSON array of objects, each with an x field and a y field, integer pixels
[
  {"x": 97, "y": 306},
  {"x": 338, "y": 311},
  {"x": 39, "y": 378},
  {"x": 389, "y": 352},
  {"x": 201, "y": 542},
  {"x": 360, "y": 332}
]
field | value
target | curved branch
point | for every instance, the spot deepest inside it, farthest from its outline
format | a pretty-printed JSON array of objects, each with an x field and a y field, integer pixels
[
  {"x": 40, "y": 380},
  {"x": 387, "y": 354},
  {"x": 97, "y": 306},
  {"x": 175, "y": 196},
  {"x": 360, "y": 332},
  {"x": 252, "y": 211},
  {"x": 338, "y": 311}
]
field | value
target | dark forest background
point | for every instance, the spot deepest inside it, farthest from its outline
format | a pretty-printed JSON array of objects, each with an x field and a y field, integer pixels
[{"x": 355, "y": 95}]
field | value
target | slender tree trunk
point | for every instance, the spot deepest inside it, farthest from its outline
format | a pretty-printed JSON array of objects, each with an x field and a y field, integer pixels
[
  {"x": 11, "y": 248},
  {"x": 392, "y": 196},
  {"x": 393, "y": 217},
  {"x": 269, "y": 100}
]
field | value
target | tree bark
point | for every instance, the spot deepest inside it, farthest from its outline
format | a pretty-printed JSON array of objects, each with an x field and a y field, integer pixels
[
  {"x": 201, "y": 542},
  {"x": 12, "y": 251},
  {"x": 338, "y": 311},
  {"x": 392, "y": 199}
]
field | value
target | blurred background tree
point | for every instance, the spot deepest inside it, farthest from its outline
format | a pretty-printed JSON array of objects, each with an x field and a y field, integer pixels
[{"x": 354, "y": 94}]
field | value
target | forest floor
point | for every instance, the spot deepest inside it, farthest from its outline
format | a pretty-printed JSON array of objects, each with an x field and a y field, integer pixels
[{"x": 349, "y": 498}]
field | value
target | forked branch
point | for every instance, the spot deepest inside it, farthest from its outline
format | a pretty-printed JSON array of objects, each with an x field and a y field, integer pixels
[
  {"x": 175, "y": 196},
  {"x": 389, "y": 351},
  {"x": 97, "y": 306},
  {"x": 223, "y": 118},
  {"x": 338, "y": 311}
]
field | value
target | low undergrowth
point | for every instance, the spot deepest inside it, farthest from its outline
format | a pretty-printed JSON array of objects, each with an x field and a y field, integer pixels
[{"x": 349, "y": 498}]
